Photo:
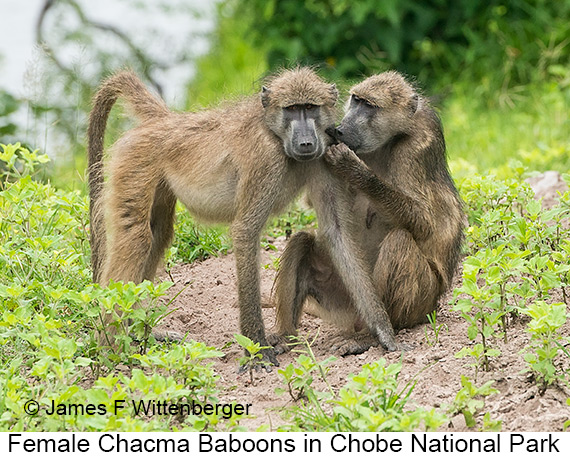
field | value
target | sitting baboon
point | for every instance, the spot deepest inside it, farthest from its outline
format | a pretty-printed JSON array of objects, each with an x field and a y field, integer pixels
[
  {"x": 406, "y": 218},
  {"x": 238, "y": 165}
]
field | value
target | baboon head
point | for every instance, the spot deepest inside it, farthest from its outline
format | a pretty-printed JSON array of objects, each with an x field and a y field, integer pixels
[
  {"x": 380, "y": 108},
  {"x": 299, "y": 107}
]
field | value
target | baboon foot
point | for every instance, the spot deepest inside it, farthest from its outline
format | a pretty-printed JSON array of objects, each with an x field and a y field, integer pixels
[
  {"x": 281, "y": 343},
  {"x": 269, "y": 359},
  {"x": 385, "y": 336},
  {"x": 353, "y": 344}
]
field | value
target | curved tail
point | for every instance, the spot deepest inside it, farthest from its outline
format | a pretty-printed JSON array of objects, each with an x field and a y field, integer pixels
[
  {"x": 291, "y": 286},
  {"x": 146, "y": 107}
]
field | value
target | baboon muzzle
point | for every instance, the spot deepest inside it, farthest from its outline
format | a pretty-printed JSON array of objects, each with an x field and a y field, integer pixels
[
  {"x": 331, "y": 131},
  {"x": 305, "y": 139},
  {"x": 348, "y": 138}
]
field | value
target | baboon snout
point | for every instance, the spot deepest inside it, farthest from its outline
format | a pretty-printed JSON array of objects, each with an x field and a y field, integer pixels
[
  {"x": 331, "y": 131},
  {"x": 305, "y": 141},
  {"x": 307, "y": 145},
  {"x": 346, "y": 135},
  {"x": 336, "y": 132}
]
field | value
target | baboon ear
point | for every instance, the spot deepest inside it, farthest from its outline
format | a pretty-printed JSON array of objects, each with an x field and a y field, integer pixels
[
  {"x": 414, "y": 103},
  {"x": 334, "y": 92},
  {"x": 265, "y": 96}
]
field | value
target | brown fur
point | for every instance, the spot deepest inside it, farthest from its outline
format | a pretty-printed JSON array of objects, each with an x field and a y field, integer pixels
[
  {"x": 406, "y": 218},
  {"x": 227, "y": 165}
]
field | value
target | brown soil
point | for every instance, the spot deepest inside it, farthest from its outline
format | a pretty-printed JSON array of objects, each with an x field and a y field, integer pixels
[{"x": 206, "y": 310}]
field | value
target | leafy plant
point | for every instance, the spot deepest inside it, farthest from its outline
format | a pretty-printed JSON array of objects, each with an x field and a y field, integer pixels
[
  {"x": 506, "y": 44},
  {"x": 49, "y": 314},
  {"x": 519, "y": 255},
  {"x": 480, "y": 354},
  {"x": 468, "y": 402},
  {"x": 18, "y": 162},
  {"x": 193, "y": 242},
  {"x": 253, "y": 358},
  {"x": 133, "y": 310},
  {"x": 482, "y": 313},
  {"x": 370, "y": 401},
  {"x": 435, "y": 327},
  {"x": 300, "y": 379},
  {"x": 544, "y": 346}
]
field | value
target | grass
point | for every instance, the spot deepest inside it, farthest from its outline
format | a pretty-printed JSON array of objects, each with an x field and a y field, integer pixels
[{"x": 535, "y": 129}]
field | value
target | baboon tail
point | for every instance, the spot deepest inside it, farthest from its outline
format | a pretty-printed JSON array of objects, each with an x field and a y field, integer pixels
[
  {"x": 297, "y": 248},
  {"x": 291, "y": 285},
  {"x": 146, "y": 107}
]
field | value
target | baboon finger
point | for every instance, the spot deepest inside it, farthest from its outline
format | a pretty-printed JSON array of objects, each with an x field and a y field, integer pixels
[
  {"x": 281, "y": 343},
  {"x": 354, "y": 344}
]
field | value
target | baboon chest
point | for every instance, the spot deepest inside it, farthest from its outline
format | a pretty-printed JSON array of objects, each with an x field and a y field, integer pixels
[{"x": 369, "y": 226}]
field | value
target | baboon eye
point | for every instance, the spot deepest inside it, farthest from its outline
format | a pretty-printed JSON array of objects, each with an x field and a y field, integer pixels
[
  {"x": 363, "y": 101},
  {"x": 306, "y": 107}
]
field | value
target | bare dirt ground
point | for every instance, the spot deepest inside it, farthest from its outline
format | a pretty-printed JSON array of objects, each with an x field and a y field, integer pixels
[{"x": 206, "y": 310}]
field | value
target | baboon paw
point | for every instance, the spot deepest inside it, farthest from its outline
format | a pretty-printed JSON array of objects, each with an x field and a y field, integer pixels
[
  {"x": 344, "y": 346},
  {"x": 342, "y": 157},
  {"x": 337, "y": 154},
  {"x": 269, "y": 359},
  {"x": 281, "y": 343},
  {"x": 385, "y": 337}
]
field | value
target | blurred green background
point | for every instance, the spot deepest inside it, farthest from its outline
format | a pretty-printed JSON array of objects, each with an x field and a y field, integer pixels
[{"x": 498, "y": 70}]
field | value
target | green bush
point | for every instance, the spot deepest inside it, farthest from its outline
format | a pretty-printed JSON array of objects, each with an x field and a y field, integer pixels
[
  {"x": 49, "y": 311},
  {"x": 502, "y": 43},
  {"x": 371, "y": 400},
  {"x": 518, "y": 257}
]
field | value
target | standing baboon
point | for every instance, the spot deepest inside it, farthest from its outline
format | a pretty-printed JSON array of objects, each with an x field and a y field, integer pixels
[
  {"x": 237, "y": 165},
  {"x": 406, "y": 218}
]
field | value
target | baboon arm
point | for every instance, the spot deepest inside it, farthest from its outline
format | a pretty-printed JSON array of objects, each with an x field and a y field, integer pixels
[
  {"x": 332, "y": 205},
  {"x": 257, "y": 194},
  {"x": 402, "y": 209}
]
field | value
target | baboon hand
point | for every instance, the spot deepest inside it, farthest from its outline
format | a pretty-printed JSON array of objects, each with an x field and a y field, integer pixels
[
  {"x": 354, "y": 344},
  {"x": 269, "y": 359},
  {"x": 281, "y": 344},
  {"x": 386, "y": 338},
  {"x": 344, "y": 161}
]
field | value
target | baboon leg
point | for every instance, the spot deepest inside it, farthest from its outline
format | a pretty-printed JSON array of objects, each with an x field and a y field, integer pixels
[
  {"x": 246, "y": 233},
  {"x": 130, "y": 240},
  {"x": 306, "y": 271},
  {"x": 406, "y": 282},
  {"x": 246, "y": 249},
  {"x": 162, "y": 227},
  {"x": 126, "y": 261}
]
